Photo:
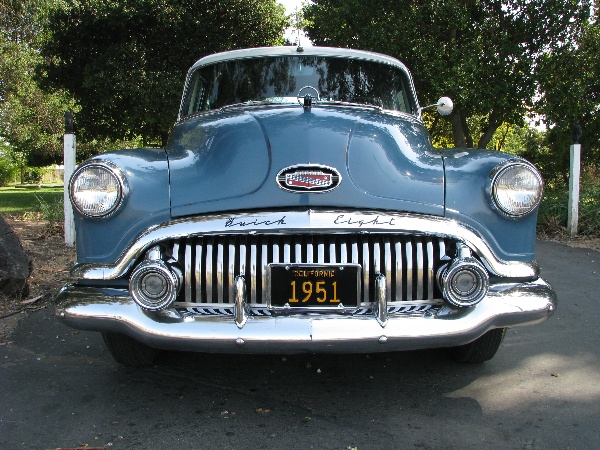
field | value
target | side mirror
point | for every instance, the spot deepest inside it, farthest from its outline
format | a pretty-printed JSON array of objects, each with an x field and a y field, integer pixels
[{"x": 445, "y": 106}]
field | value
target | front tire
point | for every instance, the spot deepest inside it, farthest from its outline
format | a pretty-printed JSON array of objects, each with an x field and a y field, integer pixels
[
  {"x": 128, "y": 351},
  {"x": 481, "y": 349}
]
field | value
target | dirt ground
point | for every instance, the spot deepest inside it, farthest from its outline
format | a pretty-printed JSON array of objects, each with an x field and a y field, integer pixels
[{"x": 52, "y": 261}]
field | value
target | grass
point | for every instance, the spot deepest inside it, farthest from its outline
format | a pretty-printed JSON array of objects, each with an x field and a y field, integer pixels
[{"x": 18, "y": 201}]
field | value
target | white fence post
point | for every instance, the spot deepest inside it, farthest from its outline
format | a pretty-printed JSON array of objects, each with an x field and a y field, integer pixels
[
  {"x": 574, "y": 177},
  {"x": 69, "y": 163}
]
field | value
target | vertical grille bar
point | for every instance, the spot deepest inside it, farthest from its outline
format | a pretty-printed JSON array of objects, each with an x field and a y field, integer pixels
[
  {"x": 253, "y": 272},
  {"x": 287, "y": 256},
  {"x": 188, "y": 273},
  {"x": 399, "y": 271},
  {"x": 376, "y": 257},
  {"x": 220, "y": 262},
  {"x": 366, "y": 264},
  {"x": 429, "y": 270},
  {"x": 198, "y": 269},
  {"x": 388, "y": 269},
  {"x": 242, "y": 261},
  {"x": 344, "y": 254},
  {"x": 210, "y": 264},
  {"x": 408, "y": 254},
  {"x": 419, "y": 268},
  {"x": 209, "y": 269},
  {"x": 275, "y": 250},
  {"x": 231, "y": 269},
  {"x": 263, "y": 268},
  {"x": 320, "y": 251}
]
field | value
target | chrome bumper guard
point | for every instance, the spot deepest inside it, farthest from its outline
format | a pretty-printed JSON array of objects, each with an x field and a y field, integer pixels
[{"x": 113, "y": 310}]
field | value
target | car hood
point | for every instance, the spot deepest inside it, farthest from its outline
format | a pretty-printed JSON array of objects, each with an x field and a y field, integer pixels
[{"x": 229, "y": 160}]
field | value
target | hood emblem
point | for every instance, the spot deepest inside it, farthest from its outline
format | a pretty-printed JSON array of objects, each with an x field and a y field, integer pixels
[{"x": 308, "y": 178}]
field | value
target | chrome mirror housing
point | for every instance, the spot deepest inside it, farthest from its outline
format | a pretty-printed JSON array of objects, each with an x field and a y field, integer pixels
[{"x": 445, "y": 105}]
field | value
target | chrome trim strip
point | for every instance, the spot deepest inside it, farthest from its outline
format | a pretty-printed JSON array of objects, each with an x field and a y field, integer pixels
[
  {"x": 380, "y": 304},
  {"x": 113, "y": 310},
  {"x": 262, "y": 306},
  {"x": 241, "y": 311},
  {"x": 284, "y": 222}
]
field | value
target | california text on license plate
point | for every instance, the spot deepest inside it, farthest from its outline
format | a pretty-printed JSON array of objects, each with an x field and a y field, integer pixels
[{"x": 314, "y": 285}]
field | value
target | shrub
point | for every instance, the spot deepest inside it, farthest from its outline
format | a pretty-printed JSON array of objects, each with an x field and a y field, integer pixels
[
  {"x": 554, "y": 209},
  {"x": 33, "y": 175},
  {"x": 7, "y": 172},
  {"x": 53, "y": 213}
]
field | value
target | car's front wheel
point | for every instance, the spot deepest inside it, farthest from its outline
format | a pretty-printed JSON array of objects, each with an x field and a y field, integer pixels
[
  {"x": 481, "y": 349},
  {"x": 128, "y": 351}
]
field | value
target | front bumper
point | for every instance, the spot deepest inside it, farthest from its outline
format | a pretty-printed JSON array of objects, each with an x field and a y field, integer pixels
[{"x": 113, "y": 310}]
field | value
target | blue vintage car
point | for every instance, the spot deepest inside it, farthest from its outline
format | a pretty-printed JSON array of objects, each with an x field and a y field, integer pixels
[{"x": 299, "y": 206}]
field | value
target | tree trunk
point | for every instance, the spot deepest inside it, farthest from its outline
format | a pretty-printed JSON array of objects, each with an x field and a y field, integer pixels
[
  {"x": 465, "y": 127},
  {"x": 494, "y": 121},
  {"x": 457, "y": 130},
  {"x": 164, "y": 137}
]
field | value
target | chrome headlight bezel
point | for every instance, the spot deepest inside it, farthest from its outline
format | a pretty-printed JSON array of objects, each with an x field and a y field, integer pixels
[
  {"x": 500, "y": 194},
  {"x": 118, "y": 183}
]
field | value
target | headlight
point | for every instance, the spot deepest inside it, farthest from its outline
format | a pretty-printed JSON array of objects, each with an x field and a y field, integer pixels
[
  {"x": 516, "y": 188},
  {"x": 97, "y": 189}
]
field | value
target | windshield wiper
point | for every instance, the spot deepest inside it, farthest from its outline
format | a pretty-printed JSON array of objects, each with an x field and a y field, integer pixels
[
  {"x": 249, "y": 103},
  {"x": 354, "y": 104}
]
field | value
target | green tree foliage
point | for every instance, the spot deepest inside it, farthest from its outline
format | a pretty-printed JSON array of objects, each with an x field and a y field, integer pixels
[
  {"x": 570, "y": 94},
  {"x": 125, "y": 61},
  {"x": 7, "y": 165},
  {"x": 31, "y": 120},
  {"x": 479, "y": 52}
]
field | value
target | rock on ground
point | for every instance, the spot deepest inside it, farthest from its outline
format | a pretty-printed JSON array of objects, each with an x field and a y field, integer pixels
[{"x": 15, "y": 265}]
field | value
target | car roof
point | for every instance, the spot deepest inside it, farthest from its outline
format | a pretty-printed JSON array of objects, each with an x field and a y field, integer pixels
[{"x": 299, "y": 51}]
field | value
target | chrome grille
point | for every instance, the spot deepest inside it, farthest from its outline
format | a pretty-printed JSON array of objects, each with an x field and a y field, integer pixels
[{"x": 211, "y": 263}]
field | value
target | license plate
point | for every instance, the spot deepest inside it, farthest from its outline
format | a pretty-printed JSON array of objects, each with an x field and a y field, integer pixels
[{"x": 314, "y": 285}]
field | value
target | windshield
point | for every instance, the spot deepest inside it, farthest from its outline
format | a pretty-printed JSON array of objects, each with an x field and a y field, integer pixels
[{"x": 279, "y": 79}]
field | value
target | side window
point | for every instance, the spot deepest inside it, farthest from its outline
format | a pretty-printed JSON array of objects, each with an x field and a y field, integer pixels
[
  {"x": 402, "y": 101},
  {"x": 196, "y": 95}
]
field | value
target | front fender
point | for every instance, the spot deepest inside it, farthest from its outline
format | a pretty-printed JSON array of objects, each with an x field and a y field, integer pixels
[
  {"x": 468, "y": 201},
  {"x": 147, "y": 204}
]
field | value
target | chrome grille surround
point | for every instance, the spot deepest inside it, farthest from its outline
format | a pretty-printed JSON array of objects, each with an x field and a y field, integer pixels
[
  {"x": 211, "y": 264},
  {"x": 307, "y": 222}
]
